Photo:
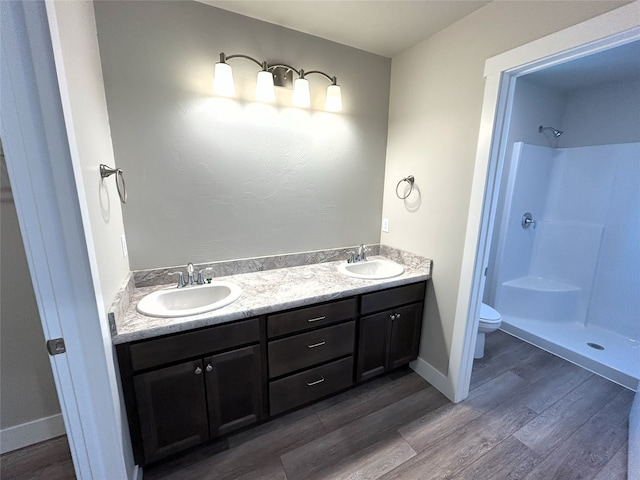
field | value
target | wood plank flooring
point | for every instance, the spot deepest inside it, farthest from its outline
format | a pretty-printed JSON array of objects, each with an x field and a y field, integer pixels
[
  {"x": 529, "y": 416},
  {"x": 50, "y": 460}
]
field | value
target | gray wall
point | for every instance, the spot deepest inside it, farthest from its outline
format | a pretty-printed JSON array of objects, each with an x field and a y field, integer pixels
[
  {"x": 602, "y": 114},
  {"x": 28, "y": 390},
  {"x": 211, "y": 178}
]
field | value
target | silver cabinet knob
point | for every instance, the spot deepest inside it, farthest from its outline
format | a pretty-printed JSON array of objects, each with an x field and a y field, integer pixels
[
  {"x": 198, "y": 371},
  {"x": 397, "y": 315},
  {"x": 392, "y": 316},
  {"x": 208, "y": 368}
]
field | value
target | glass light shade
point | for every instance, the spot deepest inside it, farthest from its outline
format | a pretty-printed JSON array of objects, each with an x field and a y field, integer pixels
[
  {"x": 301, "y": 97},
  {"x": 333, "y": 102},
  {"x": 223, "y": 80},
  {"x": 265, "y": 91}
]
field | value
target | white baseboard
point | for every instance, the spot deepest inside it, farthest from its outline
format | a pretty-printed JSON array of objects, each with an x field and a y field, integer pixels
[
  {"x": 434, "y": 377},
  {"x": 29, "y": 433}
]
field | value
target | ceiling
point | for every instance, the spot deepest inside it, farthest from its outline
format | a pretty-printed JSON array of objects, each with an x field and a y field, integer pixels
[
  {"x": 622, "y": 62},
  {"x": 388, "y": 27},
  {"x": 384, "y": 27}
]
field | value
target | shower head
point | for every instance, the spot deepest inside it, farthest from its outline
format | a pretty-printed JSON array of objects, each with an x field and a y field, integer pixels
[{"x": 556, "y": 133}]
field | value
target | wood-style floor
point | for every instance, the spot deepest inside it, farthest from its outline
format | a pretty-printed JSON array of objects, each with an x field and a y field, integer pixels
[{"x": 529, "y": 415}]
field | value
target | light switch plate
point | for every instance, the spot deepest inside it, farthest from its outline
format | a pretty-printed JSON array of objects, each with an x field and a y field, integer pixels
[{"x": 385, "y": 225}]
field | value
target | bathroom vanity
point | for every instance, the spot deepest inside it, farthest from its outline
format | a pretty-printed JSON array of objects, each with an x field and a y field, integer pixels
[{"x": 186, "y": 387}]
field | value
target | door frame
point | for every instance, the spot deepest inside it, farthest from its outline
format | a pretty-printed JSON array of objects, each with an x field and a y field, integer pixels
[
  {"x": 49, "y": 210},
  {"x": 601, "y": 33}
]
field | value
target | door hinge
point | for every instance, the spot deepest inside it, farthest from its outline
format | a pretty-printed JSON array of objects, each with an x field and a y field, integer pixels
[{"x": 56, "y": 346}]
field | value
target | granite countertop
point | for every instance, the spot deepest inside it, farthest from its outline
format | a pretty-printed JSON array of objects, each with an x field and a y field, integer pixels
[{"x": 262, "y": 292}]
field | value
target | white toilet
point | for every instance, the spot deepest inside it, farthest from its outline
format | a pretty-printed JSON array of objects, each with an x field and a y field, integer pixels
[{"x": 490, "y": 321}]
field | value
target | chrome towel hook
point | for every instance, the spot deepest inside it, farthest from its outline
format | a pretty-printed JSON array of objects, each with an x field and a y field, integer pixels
[
  {"x": 410, "y": 179},
  {"x": 106, "y": 171}
]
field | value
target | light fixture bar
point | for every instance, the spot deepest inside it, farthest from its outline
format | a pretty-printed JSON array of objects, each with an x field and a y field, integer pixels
[
  {"x": 333, "y": 80},
  {"x": 224, "y": 58},
  {"x": 223, "y": 82}
]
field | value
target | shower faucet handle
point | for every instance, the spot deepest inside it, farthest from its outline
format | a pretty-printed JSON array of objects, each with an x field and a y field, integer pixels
[{"x": 527, "y": 221}]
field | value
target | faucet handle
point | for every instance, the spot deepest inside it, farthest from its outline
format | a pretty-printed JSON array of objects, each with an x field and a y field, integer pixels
[
  {"x": 201, "y": 277},
  {"x": 351, "y": 258},
  {"x": 181, "y": 282}
]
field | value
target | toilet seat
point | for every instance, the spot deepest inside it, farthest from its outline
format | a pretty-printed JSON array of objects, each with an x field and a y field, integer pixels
[{"x": 489, "y": 314}]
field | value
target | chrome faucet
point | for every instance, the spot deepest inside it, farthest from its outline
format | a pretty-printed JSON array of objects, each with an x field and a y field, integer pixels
[
  {"x": 191, "y": 278},
  {"x": 190, "y": 271},
  {"x": 361, "y": 256},
  {"x": 362, "y": 253}
]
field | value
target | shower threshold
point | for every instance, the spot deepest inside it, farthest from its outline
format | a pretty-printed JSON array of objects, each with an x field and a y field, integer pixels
[{"x": 600, "y": 351}]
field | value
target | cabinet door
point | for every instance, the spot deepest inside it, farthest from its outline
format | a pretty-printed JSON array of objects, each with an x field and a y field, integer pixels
[
  {"x": 172, "y": 409},
  {"x": 234, "y": 389},
  {"x": 373, "y": 345},
  {"x": 406, "y": 323}
]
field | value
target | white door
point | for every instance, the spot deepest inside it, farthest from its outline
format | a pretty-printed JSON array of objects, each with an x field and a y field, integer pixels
[{"x": 37, "y": 154}]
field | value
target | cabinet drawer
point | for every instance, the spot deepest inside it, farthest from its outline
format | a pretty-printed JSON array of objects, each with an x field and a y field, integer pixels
[
  {"x": 310, "y": 385},
  {"x": 310, "y": 317},
  {"x": 393, "y": 297},
  {"x": 156, "y": 352},
  {"x": 307, "y": 349}
]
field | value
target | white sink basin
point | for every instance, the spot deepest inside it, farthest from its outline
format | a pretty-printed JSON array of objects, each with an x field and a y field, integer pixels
[
  {"x": 375, "y": 269},
  {"x": 181, "y": 302}
]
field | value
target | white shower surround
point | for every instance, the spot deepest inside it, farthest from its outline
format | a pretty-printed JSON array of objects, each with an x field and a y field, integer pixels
[{"x": 574, "y": 278}]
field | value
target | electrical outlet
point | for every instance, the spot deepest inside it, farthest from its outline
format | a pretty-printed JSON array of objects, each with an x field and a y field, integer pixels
[
  {"x": 123, "y": 241},
  {"x": 385, "y": 225}
]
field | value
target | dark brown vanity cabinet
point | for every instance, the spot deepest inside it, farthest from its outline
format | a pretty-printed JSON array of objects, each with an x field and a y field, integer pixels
[
  {"x": 389, "y": 329},
  {"x": 186, "y": 388},
  {"x": 310, "y": 353},
  {"x": 173, "y": 406}
]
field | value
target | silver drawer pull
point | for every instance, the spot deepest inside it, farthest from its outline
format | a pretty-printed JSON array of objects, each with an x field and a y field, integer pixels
[
  {"x": 319, "y": 344},
  {"x": 311, "y": 384},
  {"x": 316, "y": 319},
  {"x": 198, "y": 371}
]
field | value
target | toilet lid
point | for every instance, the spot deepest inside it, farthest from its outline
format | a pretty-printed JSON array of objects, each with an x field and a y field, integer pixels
[{"x": 489, "y": 313}]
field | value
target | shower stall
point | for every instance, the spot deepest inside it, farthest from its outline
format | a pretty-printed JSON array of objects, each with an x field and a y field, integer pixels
[{"x": 566, "y": 264}]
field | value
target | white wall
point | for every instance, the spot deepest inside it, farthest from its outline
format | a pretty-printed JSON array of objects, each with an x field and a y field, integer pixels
[
  {"x": 25, "y": 372},
  {"x": 594, "y": 192},
  {"x": 212, "y": 178},
  {"x": 79, "y": 73},
  {"x": 533, "y": 105},
  {"x": 600, "y": 114},
  {"x": 436, "y": 100},
  {"x": 88, "y": 128}
]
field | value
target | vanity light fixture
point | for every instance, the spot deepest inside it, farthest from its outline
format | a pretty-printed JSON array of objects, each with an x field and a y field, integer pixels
[
  {"x": 223, "y": 82},
  {"x": 223, "y": 78}
]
